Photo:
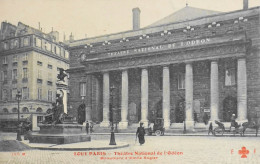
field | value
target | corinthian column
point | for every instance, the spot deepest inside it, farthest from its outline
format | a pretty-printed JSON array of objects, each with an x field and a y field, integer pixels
[
  {"x": 106, "y": 97},
  {"x": 166, "y": 97},
  {"x": 214, "y": 94},
  {"x": 144, "y": 97},
  {"x": 241, "y": 90},
  {"x": 189, "y": 97},
  {"x": 124, "y": 101}
]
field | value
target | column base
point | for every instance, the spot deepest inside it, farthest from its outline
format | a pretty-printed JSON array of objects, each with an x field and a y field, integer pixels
[
  {"x": 105, "y": 124},
  {"x": 123, "y": 125},
  {"x": 167, "y": 124},
  {"x": 189, "y": 126}
]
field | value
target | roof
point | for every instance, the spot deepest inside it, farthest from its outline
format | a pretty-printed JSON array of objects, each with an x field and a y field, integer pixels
[{"x": 186, "y": 13}]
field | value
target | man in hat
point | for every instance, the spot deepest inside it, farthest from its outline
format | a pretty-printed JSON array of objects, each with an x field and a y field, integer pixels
[{"x": 140, "y": 133}]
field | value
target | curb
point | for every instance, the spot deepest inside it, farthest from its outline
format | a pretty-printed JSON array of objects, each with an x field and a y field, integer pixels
[{"x": 79, "y": 149}]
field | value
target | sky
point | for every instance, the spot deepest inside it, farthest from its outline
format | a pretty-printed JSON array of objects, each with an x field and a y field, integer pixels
[{"x": 90, "y": 18}]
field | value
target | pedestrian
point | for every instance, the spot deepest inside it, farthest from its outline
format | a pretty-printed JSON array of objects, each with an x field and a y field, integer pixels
[
  {"x": 140, "y": 134},
  {"x": 87, "y": 126},
  {"x": 210, "y": 129},
  {"x": 233, "y": 121}
]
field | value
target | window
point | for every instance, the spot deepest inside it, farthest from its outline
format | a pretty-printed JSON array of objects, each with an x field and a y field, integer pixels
[
  {"x": 39, "y": 63},
  {"x": 38, "y": 42},
  {"x": 5, "y": 60},
  {"x": 6, "y": 46},
  {"x": 66, "y": 54},
  {"x": 25, "y": 93},
  {"x": 14, "y": 74},
  {"x": 25, "y": 57},
  {"x": 50, "y": 95},
  {"x": 39, "y": 74},
  {"x": 39, "y": 93},
  {"x": 82, "y": 89},
  {"x": 15, "y": 58},
  {"x": 25, "y": 110},
  {"x": 14, "y": 92},
  {"x": 14, "y": 110},
  {"x": 25, "y": 73},
  {"x": 39, "y": 110},
  {"x": 4, "y": 95},
  {"x": 48, "y": 46},
  {"x": 49, "y": 66},
  {"x": 4, "y": 76},
  {"x": 230, "y": 76},
  {"x": 5, "y": 110},
  {"x": 26, "y": 41},
  {"x": 16, "y": 43},
  {"x": 181, "y": 81}
]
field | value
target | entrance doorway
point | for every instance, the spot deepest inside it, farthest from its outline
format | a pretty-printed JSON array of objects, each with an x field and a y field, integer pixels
[
  {"x": 180, "y": 111},
  {"x": 229, "y": 108}
]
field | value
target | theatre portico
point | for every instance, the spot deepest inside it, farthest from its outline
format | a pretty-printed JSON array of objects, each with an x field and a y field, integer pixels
[{"x": 185, "y": 74}]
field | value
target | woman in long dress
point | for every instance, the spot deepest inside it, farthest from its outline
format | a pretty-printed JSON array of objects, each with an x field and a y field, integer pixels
[{"x": 140, "y": 134}]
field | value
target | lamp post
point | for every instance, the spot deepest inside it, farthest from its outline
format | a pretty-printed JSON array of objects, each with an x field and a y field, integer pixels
[
  {"x": 112, "y": 137},
  {"x": 19, "y": 127}
]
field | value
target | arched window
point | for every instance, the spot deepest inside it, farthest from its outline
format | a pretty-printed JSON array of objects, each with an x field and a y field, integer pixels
[
  {"x": 25, "y": 110},
  {"x": 39, "y": 110},
  {"x": 5, "y": 110},
  {"x": 14, "y": 110}
]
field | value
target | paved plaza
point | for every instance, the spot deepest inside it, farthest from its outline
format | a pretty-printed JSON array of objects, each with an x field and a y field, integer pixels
[{"x": 163, "y": 149}]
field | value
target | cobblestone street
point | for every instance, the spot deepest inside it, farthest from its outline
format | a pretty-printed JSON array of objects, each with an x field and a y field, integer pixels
[{"x": 173, "y": 149}]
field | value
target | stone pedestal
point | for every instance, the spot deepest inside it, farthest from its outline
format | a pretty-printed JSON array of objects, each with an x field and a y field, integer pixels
[
  {"x": 60, "y": 134},
  {"x": 34, "y": 123},
  {"x": 123, "y": 125}
]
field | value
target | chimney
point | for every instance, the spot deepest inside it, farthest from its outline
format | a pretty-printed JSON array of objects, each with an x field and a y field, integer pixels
[
  {"x": 136, "y": 18},
  {"x": 71, "y": 37},
  {"x": 245, "y": 4}
]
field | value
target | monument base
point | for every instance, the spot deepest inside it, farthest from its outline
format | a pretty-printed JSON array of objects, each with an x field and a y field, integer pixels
[{"x": 60, "y": 134}]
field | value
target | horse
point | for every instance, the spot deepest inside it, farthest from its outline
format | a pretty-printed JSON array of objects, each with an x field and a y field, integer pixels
[{"x": 251, "y": 125}]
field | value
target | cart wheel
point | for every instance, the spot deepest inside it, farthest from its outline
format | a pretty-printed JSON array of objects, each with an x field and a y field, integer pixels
[
  {"x": 218, "y": 131},
  {"x": 158, "y": 133}
]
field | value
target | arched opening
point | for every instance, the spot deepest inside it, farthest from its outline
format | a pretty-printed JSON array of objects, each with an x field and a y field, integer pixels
[
  {"x": 229, "y": 108},
  {"x": 25, "y": 110},
  {"x": 48, "y": 111},
  {"x": 39, "y": 110},
  {"x": 14, "y": 110},
  {"x": 5, "y": 110}
]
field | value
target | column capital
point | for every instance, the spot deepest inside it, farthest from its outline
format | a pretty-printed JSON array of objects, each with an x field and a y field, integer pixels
[
  {"x": 104, "y": 72},
  {"x": 241, "y": 58},
  {"x": 188, "y": 62},
  {"x": 214, "y": 60},
  {"x": 166, "y": 66}
]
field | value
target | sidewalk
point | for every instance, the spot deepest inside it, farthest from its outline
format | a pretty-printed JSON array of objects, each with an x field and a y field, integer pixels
[{"x": 80, "y": 146}]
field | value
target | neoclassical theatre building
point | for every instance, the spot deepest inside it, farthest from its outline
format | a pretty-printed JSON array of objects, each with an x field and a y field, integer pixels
[{"x": 191, "y": 67}]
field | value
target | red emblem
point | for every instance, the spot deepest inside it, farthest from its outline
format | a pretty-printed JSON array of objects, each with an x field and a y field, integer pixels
[{"x": 243, "y": 152}]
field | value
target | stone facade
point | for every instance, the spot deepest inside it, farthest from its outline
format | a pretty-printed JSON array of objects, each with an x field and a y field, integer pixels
[{"x": 219, "y": 57}]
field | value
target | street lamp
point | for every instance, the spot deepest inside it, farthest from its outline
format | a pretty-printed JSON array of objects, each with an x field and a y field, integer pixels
[
  {"x": 112, "y": 137},
  {"x": 19, "y": 128}
]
